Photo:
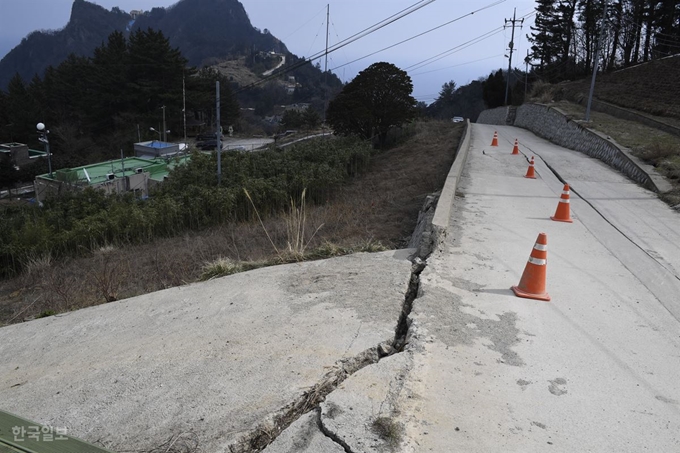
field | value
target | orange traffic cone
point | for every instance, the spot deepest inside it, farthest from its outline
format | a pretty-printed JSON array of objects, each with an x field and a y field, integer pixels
[
  {"x": 532, "y": 283},
  {"x": 562, "y": 214},
  {"x": 531, "y": 173},
  {"x": 515, "y": 149},
  {"x": 494, "y": 142}
]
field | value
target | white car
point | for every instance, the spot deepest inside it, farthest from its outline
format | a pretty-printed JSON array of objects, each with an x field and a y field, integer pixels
[{"x": 457, "y": 119}]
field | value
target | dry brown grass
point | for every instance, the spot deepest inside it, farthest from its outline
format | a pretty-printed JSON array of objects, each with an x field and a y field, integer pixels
[
  {"x": 651, "y": 88},
  {"x": 372, "y": 212},
  {"x": 237, "y": 71},
  {"x": 542, "y": 92}
]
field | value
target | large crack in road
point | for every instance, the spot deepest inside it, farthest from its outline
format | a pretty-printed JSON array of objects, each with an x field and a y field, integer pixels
[{"x": 275, "y": 423}]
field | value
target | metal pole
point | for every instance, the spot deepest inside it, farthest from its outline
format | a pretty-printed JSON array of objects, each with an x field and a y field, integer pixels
[
  {"x": 596, "y": 62},
  {"x": 325, "y": 70},
  {"x": 165, "y": 137},
  {"x": 49, "y": 155},
  {"x": 184, "y": 109},
  {"x": 218, "y": 133}
]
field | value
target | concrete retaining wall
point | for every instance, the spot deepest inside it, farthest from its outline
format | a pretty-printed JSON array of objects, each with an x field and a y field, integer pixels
[
  {"x": 552, "y": 124},
  {"x": 433, "y": 219},
  {"x": 440, "y": 221}
]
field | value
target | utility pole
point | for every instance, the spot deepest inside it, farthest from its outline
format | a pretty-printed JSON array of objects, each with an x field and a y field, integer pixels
[
  {"x": 596, "y": 62},
  {"x": 184, "y": 109},
  {"x": 325, "y": 69},
  {"x": 513, "y": 21},
  {"x": 526, "y": 75},
  {"x": 218, "y": 133},
  {"x": 165, "y": 136}
]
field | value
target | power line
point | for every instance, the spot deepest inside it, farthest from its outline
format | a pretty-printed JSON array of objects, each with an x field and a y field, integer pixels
[
  {"x": 424, "y": 33},
  {"x": 303, "y": 25},
  {"x": 367, "y": 31},
  {"x": 460, "y": 47},
  {"x": 373, "y": 28},
  {"x": 454, "y": 49},
  {"x": 456, "y": 65}
]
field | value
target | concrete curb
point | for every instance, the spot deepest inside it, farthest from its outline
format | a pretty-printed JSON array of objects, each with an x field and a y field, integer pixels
[
  {"x": 553, "y": 125},
  {"x": 440, "y": 221}
]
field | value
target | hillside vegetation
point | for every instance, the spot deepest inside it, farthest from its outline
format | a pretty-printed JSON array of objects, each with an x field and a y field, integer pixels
[
  {"x": 649, "y": 87},
  {"x": 371, "y": 211}
]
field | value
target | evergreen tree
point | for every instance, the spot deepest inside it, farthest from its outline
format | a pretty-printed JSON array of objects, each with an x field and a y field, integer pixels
[
  {"x": 201, "y": 98},
  {"x": 377, "y": 99},
  {"x": 154, "y": 75},
  {"x": 494, "y": 90},
  {"x": 668, "y": 23},
  {"x": 22, "y": 111},
  {"x": 544, "y": 36},
  {"x": 443, "y": 106},
  {"x": 109, "y": 80}
]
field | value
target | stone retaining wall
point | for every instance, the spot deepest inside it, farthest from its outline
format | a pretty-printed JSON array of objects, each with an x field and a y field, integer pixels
[
  {"x": 553, "y": 125},
  {"x": 496, "y": 116}
]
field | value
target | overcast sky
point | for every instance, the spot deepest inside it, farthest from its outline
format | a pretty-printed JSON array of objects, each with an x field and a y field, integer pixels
[{"x": 300, "y": 24}]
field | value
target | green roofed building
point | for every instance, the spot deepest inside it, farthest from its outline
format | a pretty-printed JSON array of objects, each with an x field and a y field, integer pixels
[
  {"x": 20, "y": 154},
  {"x": 131, "y": 174}
]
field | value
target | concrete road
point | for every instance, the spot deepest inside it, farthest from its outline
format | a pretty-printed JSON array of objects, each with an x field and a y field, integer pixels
[
  {"x": 594, "y": 370},
  {"x": 249, "y": 144},
  {"x": 648, "y": 239},
  {"x": 215, "y": 359}
]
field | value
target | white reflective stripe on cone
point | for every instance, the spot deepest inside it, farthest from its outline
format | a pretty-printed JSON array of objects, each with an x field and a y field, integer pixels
[
  {"x": 537, "y": 261},
  {"x": 541, "y": 247},
  {"x": 562, "y": 200}
]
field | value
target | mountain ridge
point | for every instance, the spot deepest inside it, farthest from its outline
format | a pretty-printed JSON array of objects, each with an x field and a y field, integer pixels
[{"x": 201, "y": 29}]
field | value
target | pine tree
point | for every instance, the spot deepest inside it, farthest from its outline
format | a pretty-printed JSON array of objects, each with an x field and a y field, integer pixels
[
  {"x": 544, "y": 37},
  {"x": 668, "y": 23},
  {"x": 377, "y": 99}
]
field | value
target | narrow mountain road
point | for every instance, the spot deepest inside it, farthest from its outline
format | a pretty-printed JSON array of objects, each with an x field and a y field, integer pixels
[{"x": 271, "y": 71}]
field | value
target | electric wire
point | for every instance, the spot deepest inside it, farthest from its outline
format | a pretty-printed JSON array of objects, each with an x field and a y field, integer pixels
[
  {"x": 367, "y": 31},
  {"x": 456, "y": 65},
  {"x": 460, "y": 47},
  {"x": 395, "y": 17},
  {"x": 304, "y": 25},
  {"x": 498, "y": 2}
]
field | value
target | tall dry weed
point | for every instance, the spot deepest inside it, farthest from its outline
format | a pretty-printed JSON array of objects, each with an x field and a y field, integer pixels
[
  {"x": 295, "y": 221},
  {"x": 542, "y": 91}
]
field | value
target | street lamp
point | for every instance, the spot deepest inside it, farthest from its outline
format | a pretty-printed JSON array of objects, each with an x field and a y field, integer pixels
[
  {"x": 43, "y": 138},
  {"x": 159, "y": 133}
]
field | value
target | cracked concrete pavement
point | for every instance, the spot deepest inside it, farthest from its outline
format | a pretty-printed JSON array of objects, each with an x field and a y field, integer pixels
[
  {"x": 484, "y": 371},
  {"x": 215, "y": 358},
  {"x": 595, "y": 369}
]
